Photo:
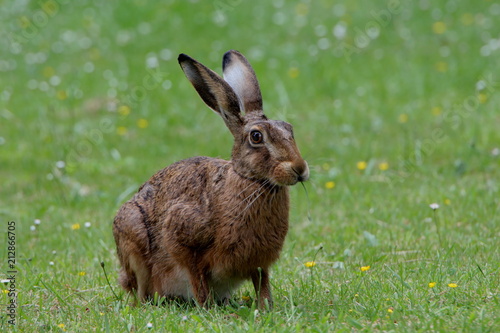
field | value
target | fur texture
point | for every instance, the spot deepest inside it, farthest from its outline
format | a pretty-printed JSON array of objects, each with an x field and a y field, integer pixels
[{"x": 201, "y": 226}]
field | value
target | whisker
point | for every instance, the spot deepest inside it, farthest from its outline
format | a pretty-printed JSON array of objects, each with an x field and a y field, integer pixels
[
  {"x": 250, "y": 204},
  {"x": 257, "y": 193},
  {"x": 308, "y": 202},
  {"x": 247, "y": 198},
  {"x": 244, "y": 189}
]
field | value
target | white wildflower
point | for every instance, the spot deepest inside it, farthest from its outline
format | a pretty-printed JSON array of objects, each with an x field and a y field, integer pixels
[{"x": 434, "y": 206}]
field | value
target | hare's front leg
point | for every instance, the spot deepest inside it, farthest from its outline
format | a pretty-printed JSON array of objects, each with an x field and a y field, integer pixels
[
  {"x": 199, "y": 285},
  {"x": 189, "y": 234},
  {"x": 260, "y": 280}
]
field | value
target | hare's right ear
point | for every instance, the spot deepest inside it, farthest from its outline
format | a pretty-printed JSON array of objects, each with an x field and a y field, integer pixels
[
  {"x": 214, "y": 91},
  {"x": 241, "y": 77}
]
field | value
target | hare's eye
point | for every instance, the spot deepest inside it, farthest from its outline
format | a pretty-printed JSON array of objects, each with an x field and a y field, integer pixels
[{"x": 256, "y": 137}]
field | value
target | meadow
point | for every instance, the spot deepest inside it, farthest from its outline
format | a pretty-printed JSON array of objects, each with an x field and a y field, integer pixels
[{"x": 394, "y": 106}]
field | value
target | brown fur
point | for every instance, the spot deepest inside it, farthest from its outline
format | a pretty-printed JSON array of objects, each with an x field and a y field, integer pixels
[{"x": 201, "y": 226}]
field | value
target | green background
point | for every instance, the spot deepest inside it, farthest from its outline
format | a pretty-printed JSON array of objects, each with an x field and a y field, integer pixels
[{"x": 394, "y": 105}]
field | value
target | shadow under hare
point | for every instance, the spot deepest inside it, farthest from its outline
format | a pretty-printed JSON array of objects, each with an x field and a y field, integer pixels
[{"x": 201, "y": 226}]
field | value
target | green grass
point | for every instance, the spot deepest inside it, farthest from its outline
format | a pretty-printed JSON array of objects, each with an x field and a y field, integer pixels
[{"x": 418, "y": 91}]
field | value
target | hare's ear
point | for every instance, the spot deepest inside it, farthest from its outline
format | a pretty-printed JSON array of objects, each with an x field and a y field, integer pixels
[
  {"x": 214, "y": 91},
  {"x": 241, "y": 77}
]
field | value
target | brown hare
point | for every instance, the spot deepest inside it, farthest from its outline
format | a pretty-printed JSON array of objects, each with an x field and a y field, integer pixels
[{"x": 201, "y": 226}]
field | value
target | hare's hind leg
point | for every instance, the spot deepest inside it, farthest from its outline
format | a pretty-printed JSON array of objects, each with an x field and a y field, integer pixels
[
  {"x": 135, "y": 277},
  {"x": 260, "y": 279},
  {"x": 199, "y": 285},
  {"x": 142, "y": 275},
  {"x": 132, "y": 242}
]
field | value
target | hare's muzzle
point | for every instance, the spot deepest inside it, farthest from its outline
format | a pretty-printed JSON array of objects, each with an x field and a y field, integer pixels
[
  {"x": 290, "y": 172},
  {"x": 301, "y": 169}
]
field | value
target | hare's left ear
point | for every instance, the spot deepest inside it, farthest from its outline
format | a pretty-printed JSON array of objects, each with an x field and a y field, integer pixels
[
  {"x": 214, "y": 91},
  {"x": 241, "y": 77}
]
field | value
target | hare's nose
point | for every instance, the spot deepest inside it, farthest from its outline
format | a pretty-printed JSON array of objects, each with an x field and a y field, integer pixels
[{"x": 302, "y": 170}]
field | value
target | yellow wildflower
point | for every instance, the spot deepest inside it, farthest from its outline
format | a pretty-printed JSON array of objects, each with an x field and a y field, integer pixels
[
  {"x": 467, "y": 19},
  {"x": 432, "y": 284},
  {"x": 94, "y": 54},
  {"x": 439, "y": 27},
  {"x": 482, "y": 97},
  {"x": 436, "y": 110},
  {"x": 310, "y": 264},
  {"x": 452, "y": 285},
  {"x": 75, "y": 226},
  {"x": 390, "y": 310},
  {"x": 383, "y": 166},
  {"x": 61, "y": 95},
  {"x": 121, "y": 130},
  {"x": 301, "y": 9},
  {"x": 82, "y": 273},
  {"x": 403, "y": 118},
  {"x": 441, "y": 66},
  {"x": 124, "y": 110},
  {"x": 142, "y": 123},
  {"x": 48, "y": 71},
  {"x": 293, "y": 72},
  {"x": 361, "y": 165},
  {"x": 329, "y": 185},
  {"x": 364, "y": 268},
  {"x": 24, "y": 22}
]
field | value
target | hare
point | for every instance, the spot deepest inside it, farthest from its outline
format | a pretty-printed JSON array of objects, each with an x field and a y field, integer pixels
[{"x": 201, "y": 226}]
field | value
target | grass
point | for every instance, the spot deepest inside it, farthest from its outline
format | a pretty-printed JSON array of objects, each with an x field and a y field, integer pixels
[{"x": 410, "y": 90}]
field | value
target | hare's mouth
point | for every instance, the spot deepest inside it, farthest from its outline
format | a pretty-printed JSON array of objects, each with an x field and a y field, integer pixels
[
  {"x": 303, "y": 175},
  {"x": 290, "y": 173}
]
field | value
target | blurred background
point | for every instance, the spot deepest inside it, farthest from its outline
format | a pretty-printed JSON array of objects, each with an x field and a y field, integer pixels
[
  {"x": 93, "y": 102},
  {"x": 394, "y": 105}
]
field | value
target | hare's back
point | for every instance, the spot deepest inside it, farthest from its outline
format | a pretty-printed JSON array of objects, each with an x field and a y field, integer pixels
[
  {"x": 189, "y": 179},
  {"x": 180, "y": 199}
]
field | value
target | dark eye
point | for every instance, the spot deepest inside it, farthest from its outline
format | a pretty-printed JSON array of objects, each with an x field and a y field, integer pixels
[{"x": 256, "y": 137}]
